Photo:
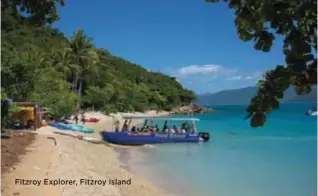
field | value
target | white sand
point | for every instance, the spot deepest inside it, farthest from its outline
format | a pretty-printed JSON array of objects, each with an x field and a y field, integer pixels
[{"x": 74, "y": 159}]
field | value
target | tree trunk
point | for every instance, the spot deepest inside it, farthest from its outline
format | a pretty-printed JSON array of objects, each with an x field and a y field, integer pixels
[
  {"x": 75, "y": 82},
  {"x": 79, "y": 92}
]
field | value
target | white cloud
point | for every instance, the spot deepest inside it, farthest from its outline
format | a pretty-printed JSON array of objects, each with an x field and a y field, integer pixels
[
  {"x": 197, "y": 69},
  {"x": 212, "y": 71},
  {"x": 235, "y": 78},
  {"x": 211, "y": 77},
  {"x": 257, "y": 75},
  {"x": 246, "y": 76}
]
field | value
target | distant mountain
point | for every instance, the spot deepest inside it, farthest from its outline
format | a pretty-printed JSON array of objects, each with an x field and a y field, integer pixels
[
  {"x": 228, "y": 97},
  {"x": 243, "y": 96},
  {"x": 311, "y": 97}
]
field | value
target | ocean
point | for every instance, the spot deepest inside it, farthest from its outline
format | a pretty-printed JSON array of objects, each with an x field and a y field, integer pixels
[{"x": 277, "y": 159}]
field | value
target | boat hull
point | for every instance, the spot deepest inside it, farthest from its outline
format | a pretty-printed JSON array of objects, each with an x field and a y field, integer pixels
[{"x": 128, "y": 138}]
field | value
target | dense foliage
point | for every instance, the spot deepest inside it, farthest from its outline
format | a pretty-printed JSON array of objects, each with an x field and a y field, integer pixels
[
  {"x": 296, "y": 22},
  {"x": 7, "y": 109},
  {"x": 40, "y": 64}
]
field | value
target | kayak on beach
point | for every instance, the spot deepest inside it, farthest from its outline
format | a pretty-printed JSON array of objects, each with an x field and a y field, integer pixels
[
  {"x": 93, "y": 120},
  {"x": 71, "y": 127}
]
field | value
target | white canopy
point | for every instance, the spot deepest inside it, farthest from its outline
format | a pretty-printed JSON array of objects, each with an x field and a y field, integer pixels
[{"x": 160, "y": 118}]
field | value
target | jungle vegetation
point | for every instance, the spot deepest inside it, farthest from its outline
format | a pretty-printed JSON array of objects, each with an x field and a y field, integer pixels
[{"x": 66, "y": 74}]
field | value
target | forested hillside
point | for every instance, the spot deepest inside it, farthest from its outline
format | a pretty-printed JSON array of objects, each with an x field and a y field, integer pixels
[{"x": 40, "y": 64}]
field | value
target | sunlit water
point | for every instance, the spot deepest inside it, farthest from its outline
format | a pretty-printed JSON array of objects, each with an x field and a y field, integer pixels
[{"x": 275, "y": 160}]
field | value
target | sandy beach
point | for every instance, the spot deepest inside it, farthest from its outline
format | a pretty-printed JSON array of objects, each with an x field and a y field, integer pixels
[{"x": 57, "y": 157}]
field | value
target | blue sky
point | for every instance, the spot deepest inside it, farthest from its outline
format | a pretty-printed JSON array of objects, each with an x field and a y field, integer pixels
[{"x": 190, "y": 39}]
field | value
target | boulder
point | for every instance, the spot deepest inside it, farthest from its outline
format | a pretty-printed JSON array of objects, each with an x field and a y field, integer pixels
[{"x": 192, "y": 109}]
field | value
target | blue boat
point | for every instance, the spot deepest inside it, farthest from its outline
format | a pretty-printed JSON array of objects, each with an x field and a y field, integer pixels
[{"x": 142, "y": 137}]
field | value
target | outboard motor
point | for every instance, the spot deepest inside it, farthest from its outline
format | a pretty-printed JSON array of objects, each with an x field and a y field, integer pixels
[{"x": 205, "y": 136}]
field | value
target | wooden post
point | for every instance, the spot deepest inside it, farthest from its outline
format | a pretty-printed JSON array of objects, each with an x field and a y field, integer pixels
[
  {"x": 35, "y": 117},
  {"x": 37, "y": 113}
]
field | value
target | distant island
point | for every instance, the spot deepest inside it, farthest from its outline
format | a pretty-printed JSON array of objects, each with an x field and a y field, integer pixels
[{"x": 242, "y": 96}]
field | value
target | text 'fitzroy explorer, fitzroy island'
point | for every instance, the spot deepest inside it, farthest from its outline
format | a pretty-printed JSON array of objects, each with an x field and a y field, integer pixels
[{"x": 29, "y": 182}]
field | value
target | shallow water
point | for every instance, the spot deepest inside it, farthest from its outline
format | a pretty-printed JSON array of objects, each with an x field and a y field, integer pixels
[{"x": 277, "y": 159}]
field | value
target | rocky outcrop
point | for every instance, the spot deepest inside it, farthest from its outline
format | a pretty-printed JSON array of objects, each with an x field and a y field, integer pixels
[{"x": 192, "y": 109}]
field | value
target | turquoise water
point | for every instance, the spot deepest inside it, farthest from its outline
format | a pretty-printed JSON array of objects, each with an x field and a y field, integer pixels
[{"x": 275, "y": 160}]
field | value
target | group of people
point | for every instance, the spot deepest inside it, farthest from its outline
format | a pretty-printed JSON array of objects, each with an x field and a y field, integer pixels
[
  {"x": 175, "y": 129},
  {"x": 147, "y": 128},
  {"x": 185, "y": 128},
  {"x": 82, "y": 117}
]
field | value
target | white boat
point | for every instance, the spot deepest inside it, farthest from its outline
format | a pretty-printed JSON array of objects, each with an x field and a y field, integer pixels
[{"x": 311, "y": 113}]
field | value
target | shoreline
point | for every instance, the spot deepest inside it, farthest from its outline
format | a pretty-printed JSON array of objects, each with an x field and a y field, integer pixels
[
  {"x": 74, "y": 159},
  {"x": 138, "y": 161}
]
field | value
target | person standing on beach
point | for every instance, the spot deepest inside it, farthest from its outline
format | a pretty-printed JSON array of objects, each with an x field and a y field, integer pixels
[
  {"x": 83, "y": 118},
  {"x": 76, "y": 118}
]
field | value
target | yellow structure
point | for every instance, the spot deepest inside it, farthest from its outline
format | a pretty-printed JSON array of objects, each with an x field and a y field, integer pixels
[
  {"x": 24, "y": 114},
  {"x": 28, "y": 114}
]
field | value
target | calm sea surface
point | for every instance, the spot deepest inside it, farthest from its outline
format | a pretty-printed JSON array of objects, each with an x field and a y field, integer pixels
[{"x": 277, "y": 159}]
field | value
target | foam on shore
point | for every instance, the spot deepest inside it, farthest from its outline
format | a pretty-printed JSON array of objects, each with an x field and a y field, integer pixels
[{"x": 140, "y": 161}]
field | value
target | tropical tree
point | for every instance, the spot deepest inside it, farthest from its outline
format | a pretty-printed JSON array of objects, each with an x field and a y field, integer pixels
[
  {"x": 7, "y": 109},
  {"x": 85, "y": 57},
  {"x": 296, "y": 22},
  {"x": 98, "y": 97},
  {"x": 52, "y": 91},
  {"x": 20, "y": 70},
  {"x": 37, "y": 11},
  {"x": 40, "y": 64},
  {"x": 64, "y": 62}
]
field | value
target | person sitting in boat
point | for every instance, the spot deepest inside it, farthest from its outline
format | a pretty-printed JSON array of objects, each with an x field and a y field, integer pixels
[
  {"x": 153, "y": 128},
  {"x": 185, "y": 125},
  {"x": 166, "y": 130},
  {"x": 145, "y": 129},
  {"x": 157, "y": 128},
  {"x": 183, "y": 131},
  {"x": 133, "y": 129},
  {"x": 193, "y": 129},
  {"x": 125, "y": 128},
  {"x": 176, "y": 129},
  {"x": 165, "y": 127},
  {"x": 172, "y": 130},
  {"x": 138, "y": 129},
  {"x": 148, "y": 128}
]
